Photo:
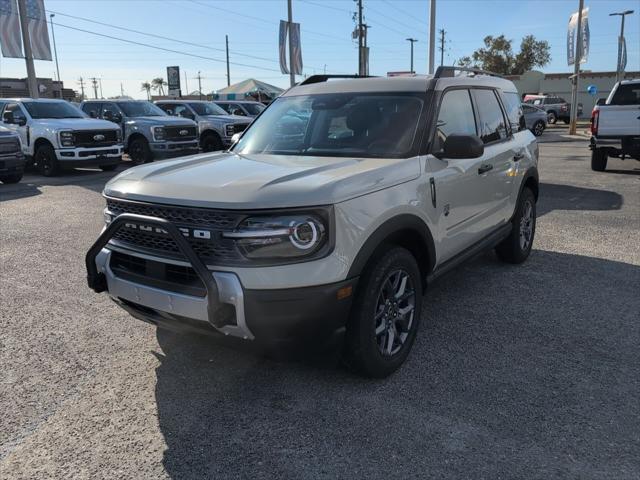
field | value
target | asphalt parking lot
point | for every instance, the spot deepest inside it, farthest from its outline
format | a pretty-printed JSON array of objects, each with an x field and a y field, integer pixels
[{"x": 518, "y": 372}]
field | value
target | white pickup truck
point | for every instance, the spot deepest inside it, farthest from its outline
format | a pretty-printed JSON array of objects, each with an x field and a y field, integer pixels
[
  {"x": 56, "y": 135},
  {"x": 615, "y": 125}
]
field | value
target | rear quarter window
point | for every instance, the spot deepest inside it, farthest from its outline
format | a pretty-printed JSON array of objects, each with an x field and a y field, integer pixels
[{"x": 513, "y": 107}]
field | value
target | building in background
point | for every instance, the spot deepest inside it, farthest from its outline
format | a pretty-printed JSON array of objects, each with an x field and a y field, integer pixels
[
  {"x": 559, "y": 84},
  {"x": 48, "y": 88}
]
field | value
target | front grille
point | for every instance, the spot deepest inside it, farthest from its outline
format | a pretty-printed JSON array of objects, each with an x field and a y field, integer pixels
[
  {"x": 87, "y": 138},
  {"x": 239, "y": 127},
  {"x": 215, "y": 251},
  {"x": 9, "y": 146},
  {"x": 173, "y": 133}
]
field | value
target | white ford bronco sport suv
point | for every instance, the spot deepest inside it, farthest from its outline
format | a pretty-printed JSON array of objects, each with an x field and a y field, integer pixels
[
  {"x": 333, "y": 212},
  {"x": 56, "y": 135}
]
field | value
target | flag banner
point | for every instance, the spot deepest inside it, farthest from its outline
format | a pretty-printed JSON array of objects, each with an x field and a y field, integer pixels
[
  {"x": 622, "y": 54},
  {"x": 38, "y": 32},
  {"x": 10, "y": 34},
  {"x": 572, "y": 34},
  {"x": 294, "y": 38},
  {"x": 173, "y": 81},
  {"x": 282, "y": 46}
]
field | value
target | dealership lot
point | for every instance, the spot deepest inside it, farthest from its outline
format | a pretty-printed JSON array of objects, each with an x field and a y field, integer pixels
[{"x": 517, "y": 372}]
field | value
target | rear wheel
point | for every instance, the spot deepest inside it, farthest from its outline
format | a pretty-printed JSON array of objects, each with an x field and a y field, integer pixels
[
  {"x": 566, "y": 121},
  {"x": 552, "y": 118},
  {"x": 517, "y": 246},
  {"x": 11, "y": 178},
  {"x": 538, "y": 128},
  {"x": 139, "y": 151},
  {"x": 46, "y": 161},
  {"x": 211, "y": 143},
  {"x": 599, "y": 159},
  {"x": 385, "y": 314}
]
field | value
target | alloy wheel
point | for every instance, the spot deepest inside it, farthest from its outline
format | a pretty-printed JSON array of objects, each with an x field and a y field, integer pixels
[
  {"x": 526, "y": 225},
  {"x": 395, "y": 308}
]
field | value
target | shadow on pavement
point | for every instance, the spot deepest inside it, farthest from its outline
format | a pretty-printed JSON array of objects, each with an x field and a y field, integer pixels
[
  {"x": 567, "y": 197},
  {"x": 18, "y": 191},
  {"x": 518, "y": 372}
]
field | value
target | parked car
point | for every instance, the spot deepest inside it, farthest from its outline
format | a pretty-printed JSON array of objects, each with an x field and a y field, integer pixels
[
  {"x": 56, "y": 135},
  {"x": 149, "y": 133},
  {"x": 340, "y": 227},
  {"x": 215, "y": 125},
  {"x": 615, "y": 126},
  {"x": 243, "y": 108},
  {"x": 12, "y": 160},
  {"x": 535, "y": 119},
  {"x": 557, "y": 108}
]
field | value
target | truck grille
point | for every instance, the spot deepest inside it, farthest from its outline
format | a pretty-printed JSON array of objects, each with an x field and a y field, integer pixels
[
  {"x": 173, "y": 133},
  {"x": 9, "y": 146},
  {"x": 214, "y": 251},
  {"x": 239, "y": 127},
  {"x": 95, "y": 138}
]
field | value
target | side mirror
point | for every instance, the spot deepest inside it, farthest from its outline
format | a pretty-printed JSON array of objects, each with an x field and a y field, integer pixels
[
  {"x": 462, "y": 146},
  {"x": 107, "y": 115},
  {"x": 117, "y": 117},
  {"x": 7, "y": 117},
  {"x": 185, "y": 114}
]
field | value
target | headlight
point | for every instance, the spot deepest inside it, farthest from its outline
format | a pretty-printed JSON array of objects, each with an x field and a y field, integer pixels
[
  {"x": 159, "y": 134},
  {"x": 282, "y": 237},
  {"x": 119, "y": 135},
  {"x": 229, "y": 129},
  {"x": 67, "y": 139}
]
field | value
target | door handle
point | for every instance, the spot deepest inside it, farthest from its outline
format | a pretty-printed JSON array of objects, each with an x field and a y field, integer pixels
[
  {"x": 485, "y": 168},
  {"x": 518, "y": 156}
]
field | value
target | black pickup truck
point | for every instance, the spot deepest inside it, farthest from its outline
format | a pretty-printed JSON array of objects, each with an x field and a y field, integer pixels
[{"x": 12, "y": 160}]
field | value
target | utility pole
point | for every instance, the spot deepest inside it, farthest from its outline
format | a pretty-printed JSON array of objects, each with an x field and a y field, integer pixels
[
  {"x": 55, "y": 49},
  {"x": 81, "y": 82},
  {"x": 28, "y": 54},
  {"x": 619, "y": 68},
  {"x": 186, "y": 84},
  {"x": 412, "y": 40},
  {"x": 292, "y": 76},
  {"x": 576, "y": 73},
  {"x": 94, "y": 84},
  {"x": 432, "y": 35},
  {"x": 442, "y": 33},
  {"x": 100, "y": 81},
  {"x": 226, "y": 39},
  {"x": 199, "y": 86},
  {"x": 121, "y": 90},
  {"x": 360, "y": 40}
]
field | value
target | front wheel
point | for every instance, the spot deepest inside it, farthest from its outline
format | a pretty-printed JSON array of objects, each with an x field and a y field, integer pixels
[
  {"x": 139, "y": 151},
  {"x": 385, "y": 315},
  {"x": 552, "y": 118},
  {"x": 11, "y": 178},
  {"x": 46, "y": 160},
  {"x": 517, "y": 246},
  {"x": 538, "y": 128},
  {"x": 599, "y": 159},
  {"x": 211, "y": 143}
]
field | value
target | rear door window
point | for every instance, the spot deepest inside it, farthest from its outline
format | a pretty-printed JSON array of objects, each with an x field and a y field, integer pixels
[
  {"x": 626, "y": 94},
  {"x": 493, "y": 127},
  {"x": 455, "y": 117}
]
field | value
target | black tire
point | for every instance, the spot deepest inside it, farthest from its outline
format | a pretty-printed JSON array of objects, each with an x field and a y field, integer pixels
[
  {"x": 599, "y": 159},
  {"x": 363, "y": 345},
  {"x": 552, "y": 117},
  {"x": 517, "y": 246},
  {"x": 108, "y": 168},
  {"x": 211, "y": 143},
  {"x": 46, "y": 161},
  {"x": 538, "y": 128},
  {"x": 11, "y": 178},
  {"x": 566, "y": 121},
  {"x": 139, "y": 151}
]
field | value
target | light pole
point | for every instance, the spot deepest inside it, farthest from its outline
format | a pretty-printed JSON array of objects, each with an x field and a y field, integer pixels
[
  {"x": 55, "y": 50},
  {"x": 412, "y": 41},
  {"x": 619, "y": 68},
  {"x": 432, "y": 35}
]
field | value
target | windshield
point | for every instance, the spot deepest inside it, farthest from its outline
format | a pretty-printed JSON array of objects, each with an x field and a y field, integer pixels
[
  {"x": 52, "y": 110},
  {"x": 254, "y": 108},
  {"x": 340, "y": 125},
  {"x": 141, "y": 109},
  {"x": 207, "y": 109}
]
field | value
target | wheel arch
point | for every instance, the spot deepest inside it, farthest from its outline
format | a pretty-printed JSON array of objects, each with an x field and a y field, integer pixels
[
  {"x": 404, "y": 230},
  {"x": 134, "y": 136},
  {"x": 40, "y": 141}
]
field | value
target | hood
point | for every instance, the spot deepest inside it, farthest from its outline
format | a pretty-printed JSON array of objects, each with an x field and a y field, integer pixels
[
  {"x": 78, "y": 124},
  {"x": 229, "y": 180},
  {"x": 164, "y": 120}
]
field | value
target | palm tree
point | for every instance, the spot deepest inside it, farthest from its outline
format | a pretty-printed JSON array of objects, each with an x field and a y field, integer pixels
[
  {"x": 158, "y": 85},
  {"x": 146, "y": 87}
]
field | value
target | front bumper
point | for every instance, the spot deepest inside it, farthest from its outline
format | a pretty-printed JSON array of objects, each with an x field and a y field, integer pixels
[
  {"x": 174, "y": 149},
  {"x": 12, "y": 163},
  {"x": 89, "y": 157},
  {"x": 269, "y": 316}
]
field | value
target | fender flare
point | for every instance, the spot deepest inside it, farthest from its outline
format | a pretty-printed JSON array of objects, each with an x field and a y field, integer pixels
[{"x": 385, "y": 232}]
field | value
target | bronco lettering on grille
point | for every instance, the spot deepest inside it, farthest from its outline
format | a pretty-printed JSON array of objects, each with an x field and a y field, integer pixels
[{"x": 187, "y": 232}]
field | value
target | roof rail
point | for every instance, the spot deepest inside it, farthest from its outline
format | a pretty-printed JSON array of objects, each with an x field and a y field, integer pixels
[
  {"x": 324, "y": 78},
  {"x": 449, "y": 71}
]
